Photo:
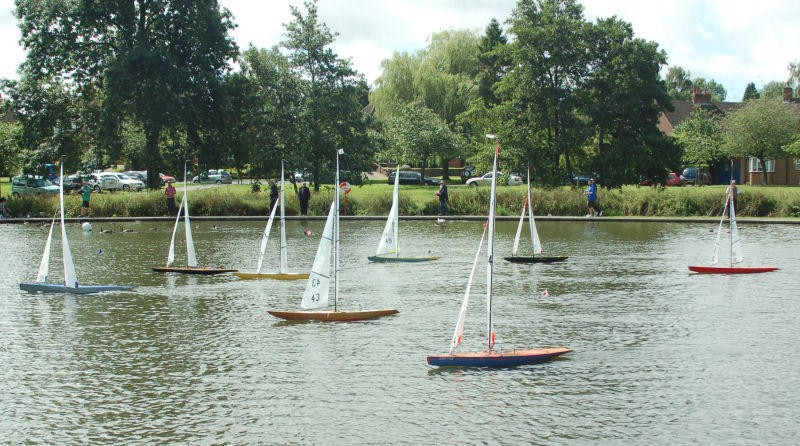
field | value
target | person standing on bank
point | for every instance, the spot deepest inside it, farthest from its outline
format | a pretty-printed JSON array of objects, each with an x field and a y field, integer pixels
[
  {"x": 442, "y": 193},
  {"x": 86, "y": 194},
  {"x": 733, "y": 192},
  {"x": 591, "y": 199},
  {"x": 304, "y": 195},
  {"x": 273, "y": 194},
  {"x": 169, "y": 192}
]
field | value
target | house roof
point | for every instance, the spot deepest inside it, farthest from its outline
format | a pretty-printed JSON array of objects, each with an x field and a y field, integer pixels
[{"x": 668, "y": 120}]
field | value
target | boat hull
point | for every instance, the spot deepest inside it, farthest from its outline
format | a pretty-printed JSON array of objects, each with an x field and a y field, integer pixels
[
  {"x": 195, "y": 270},
  {"x": 504, "y": 359},
  {"x": 400, "y": 259},
  {"x": 276, "y": 276},
  {"x": 730, "y": 270},
  {"x": 37, "y": 287},
  {"x": 332, "y": 316},
  {"x": 535, "y": 259}
]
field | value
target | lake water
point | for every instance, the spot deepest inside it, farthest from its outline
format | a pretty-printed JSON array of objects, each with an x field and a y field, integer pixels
[{"x": 660, "y": 356}]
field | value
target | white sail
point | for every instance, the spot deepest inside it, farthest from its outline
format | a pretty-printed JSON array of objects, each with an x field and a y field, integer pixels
[
  {"x": 515, "y": 249},
  {"x": 537, "y": 244},
  {"x": 265, "y": 239},
  {"x": 490, "y": 251},
  {"x": 736, "y": 242},
  {"x": 389, "y": 243},
  {"x": 284, "y": 266},
  {"x": 171, "y": 255},
  {"x": 191, "y": 257},
  {"x": 317, "y": 287},
  {"x": 70, "y": 278},
  {"x": 44, "y": 265},
  {"x": 715, "y": 253},
  {"x": 462, "y": 314}
]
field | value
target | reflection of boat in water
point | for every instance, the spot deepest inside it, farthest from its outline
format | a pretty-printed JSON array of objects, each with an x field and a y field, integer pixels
[
  {"x": 389, "y": 245},
  {"x": 318, "y": 285},
  {"x": 536, "y": 244},
  {"x": 736, "y": 255},
  {"x": 71, "y": 284},
  {"x": 283, "y": 268},
  {"x": 191, "y": 259},
  {"x": 489, "y": 358}
]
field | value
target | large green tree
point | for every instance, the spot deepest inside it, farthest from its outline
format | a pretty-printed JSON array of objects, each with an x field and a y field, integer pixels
[
  {"x": 624, "y": 97},
  {"x": 333, "y": 96},
  {"x": 750, "y": 92},
  {"x": 158, "y": 62},
  {"x": 700, "y": 136},
  {"x": 417, "y": 134},
  {"x": 761, "y": 128},
  {"x": 541, "y": 93}
]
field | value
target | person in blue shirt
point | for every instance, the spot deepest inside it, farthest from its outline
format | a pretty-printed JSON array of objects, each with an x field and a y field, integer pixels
[{"x": 591, "y": 199}]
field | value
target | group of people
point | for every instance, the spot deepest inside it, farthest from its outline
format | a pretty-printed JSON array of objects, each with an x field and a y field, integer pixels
[{"x": 303, "y": 195}]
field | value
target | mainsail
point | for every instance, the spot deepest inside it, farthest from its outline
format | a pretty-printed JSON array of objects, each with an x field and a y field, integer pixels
[
  {"x": 44, "y": 265},
  {"x": 70, "y": 278},
  {"x": 462, "y": 314},
  {"x": 389, "y": 238},
  {"x": 317, "y": 287}
]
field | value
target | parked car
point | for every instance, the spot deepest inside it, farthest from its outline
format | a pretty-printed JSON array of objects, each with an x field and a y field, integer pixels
[
  {"x": 411, "y": 177},
  {"x": 673, "y": 179},
  {"x": 696, "y": 176},
  {"x": 127, "y": 183},
  {"x": 213, "y": 176},
  {"x": 72, "y": 183},
  {"x": 302, "y": 175},
  {"x": 100, "y": 181},
  {"x": 140, "y": 175},
  {"x": 32, "y": 185},
  {"x": 513, "y": 179}
]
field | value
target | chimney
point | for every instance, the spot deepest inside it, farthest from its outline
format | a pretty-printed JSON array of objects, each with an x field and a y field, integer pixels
[
  {"x": 701, "y": 97},
  {"x": 787, "y": 93}
]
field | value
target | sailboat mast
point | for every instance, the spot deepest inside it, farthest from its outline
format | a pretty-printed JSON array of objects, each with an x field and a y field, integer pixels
[
  {"x": 396, "y": 202},
  {"x": 732, "y": 214},
  {"x": 490, "y": 249},
  {"x": 336, "y": 235},
  {"x": 284, "y": 265}
]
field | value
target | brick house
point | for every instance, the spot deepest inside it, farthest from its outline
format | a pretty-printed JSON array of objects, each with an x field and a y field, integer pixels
[{"x": 784, "y": 171}]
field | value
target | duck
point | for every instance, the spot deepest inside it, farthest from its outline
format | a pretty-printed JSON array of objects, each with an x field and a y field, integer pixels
[
  {"x": 105, "y": 231},
  {"x": 216, "y": 227},
  {"x": 126, "y": 231}
]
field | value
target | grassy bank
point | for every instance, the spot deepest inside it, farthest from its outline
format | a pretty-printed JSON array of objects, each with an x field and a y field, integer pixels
[{"x": 375, "y": 199}]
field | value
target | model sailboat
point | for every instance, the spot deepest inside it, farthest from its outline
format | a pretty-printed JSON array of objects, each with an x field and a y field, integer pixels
[
  {"x": 71, "y": 284},
  {"x": 736, "y": 255},
  {"x": 318, "y": 285},
  {"x": 489, "y": 358},
  {"x": 389, "y": 247},
  {"x": 283, "y": 273},
  {"x": 191, "y": 258},
  {"x": 535, "y": 242}
]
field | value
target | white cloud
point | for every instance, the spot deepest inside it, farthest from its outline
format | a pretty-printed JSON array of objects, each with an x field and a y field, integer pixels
[{"x": 731, "y": 41}]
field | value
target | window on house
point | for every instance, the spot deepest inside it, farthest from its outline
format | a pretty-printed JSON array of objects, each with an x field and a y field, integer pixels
[
  {"x": 755, "y": 165},
  {"x": 797, "y": 164}
]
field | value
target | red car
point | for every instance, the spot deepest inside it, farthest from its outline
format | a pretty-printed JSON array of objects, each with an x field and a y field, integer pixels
[{"x": 673, "y": 179}]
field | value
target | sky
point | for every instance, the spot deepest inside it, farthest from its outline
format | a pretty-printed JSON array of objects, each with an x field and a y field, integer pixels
[{"x": 730, "y": 41}]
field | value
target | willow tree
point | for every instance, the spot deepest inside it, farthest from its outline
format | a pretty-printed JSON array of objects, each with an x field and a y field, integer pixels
[{"x": 158, "y": 62}]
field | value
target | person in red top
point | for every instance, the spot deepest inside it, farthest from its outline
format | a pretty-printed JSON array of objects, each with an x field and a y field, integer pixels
[{"x": 169, "y": 192}]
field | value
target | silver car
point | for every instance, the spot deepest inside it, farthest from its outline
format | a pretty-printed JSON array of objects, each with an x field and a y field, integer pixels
[{"x": 214, "y": 176}]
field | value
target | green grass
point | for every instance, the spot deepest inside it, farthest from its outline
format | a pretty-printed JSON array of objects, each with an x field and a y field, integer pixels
[{"x": 375, "y": 198}]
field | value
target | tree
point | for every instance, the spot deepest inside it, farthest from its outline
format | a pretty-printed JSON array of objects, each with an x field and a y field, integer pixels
[
  {"x": 541, "y": 94},
  {"x": 157, "y": 62},
  {"x": 761, "y": 128},
  {"x": 492, "y": 65},
  {"x": 625, "y": 96},
  {"x": 418, "y": 135},
  {"x": 773, "y": 89},
  {"x": 9, "y": 152},
  {"x": 680, "y": 85},
  {"x": 333, "y": 95},
  {"x": 700, "y": 136},
  {"x": 750, "y": 92}
]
